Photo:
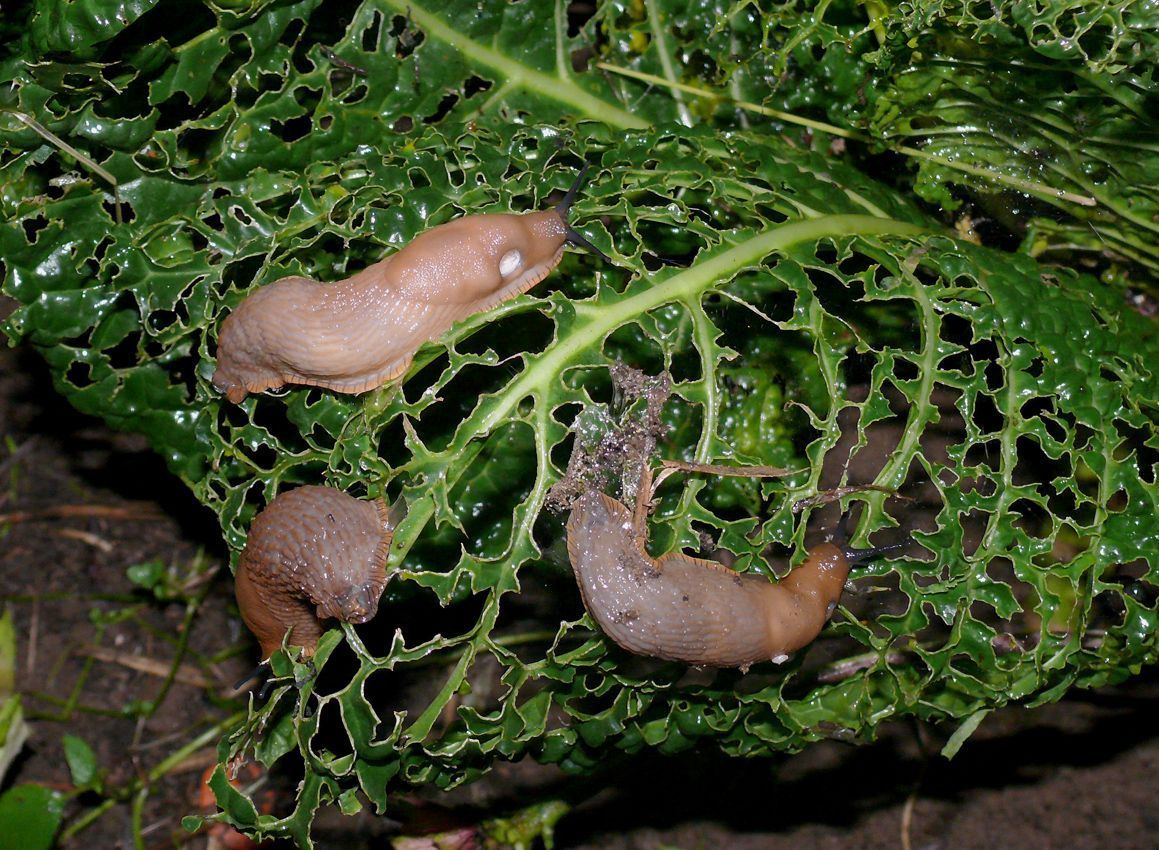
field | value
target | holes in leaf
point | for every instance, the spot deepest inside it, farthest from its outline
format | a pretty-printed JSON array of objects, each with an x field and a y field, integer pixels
[
  {"x": 293, "y": 32},
  {"x": 270, "y": 415},
  {"x": 995, "y": 376},
  {"x": 357, "y": 94},
  {"x": 972, "y": 523},
  {"x": 685, "y": 365},
  {"x": 336, "y": 674},
  {"x": 513, "y": 335},
  {"x": 370, "y": 35},
  {"x": 292, "y": 129},
  {"x": 1134, "y": 441},
  {"x": 502, "y": 477},
  {"x": 437, "y": 423},
  {"x": 986, "y": 453},
  {"x": 904, "y": 369},
  {"x": 1035, "y": 406},
  {"x": 1032, "y": 519},
  {"x": 857, "y": 367},
  {"x": 630, "y": 344},
  {"x": 1035, "y": 466},
  {"x": 407, "y": 37},
  {"x": 270, "y": 82},
  {"x": 331, "y": 738},
  {"x": 443, "y": 110},
  {"x": 241, "y": 273},
  {"x": 263, "y": 456},
  {"x": 835, "y": 295},
  {"x": 983, "y": 611},
  {"x": 124, "y": 355},
  {"x": 198, "y": 147},
  {"x": 421, "y": 618},
  {"x": 673, "y": 244},
  {"x": 418, "y": 179},
  {"x": 596, "y": 382},
  {"x": 79, "y": 374},
  {"x": 426, "y": 378},
  {"x": 561, "y": 452},
  {"x": 475, "y": 85},
  {"x": 404, "y": 124},
  {"x": 241, "y": 215},
  {"x": 986, "y": 417},
  {"x": 1108, "y": 611},
  {"x": 1117, "y": 503},
  {"x": 321, "y": 438},
  {"x": 33, "y": 226}
]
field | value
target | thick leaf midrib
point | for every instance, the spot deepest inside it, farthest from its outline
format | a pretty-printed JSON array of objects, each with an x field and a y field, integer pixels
[
  {"x": 594, "y": 323},
  {"x": 558, "y": 88}
]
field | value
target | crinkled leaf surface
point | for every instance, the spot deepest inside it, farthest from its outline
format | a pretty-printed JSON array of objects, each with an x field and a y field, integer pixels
[
  {"x": 783, "y": 291},
  {"x": 1043, "y": 113}
]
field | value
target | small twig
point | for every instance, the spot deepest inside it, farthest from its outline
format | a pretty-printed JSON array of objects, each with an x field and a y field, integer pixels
[
  {"x": 131, "y": 512},
  {"x": 187, "y": 674},
  {"x": 94, "y": 540},
  {"x": 339, "y": 62},
  {"x": 668, "y": 468},
  {"x": 196, "y": 762},
  {"x": 838, "y": 493},
  {"x": 33, "y": 635},
  {"x": 727, "y": 469},
  {"x": 16, "y": 454},
  {"x": 907, "y": 815},
  {"x": 51, "y": 137},
  {"x": 1047, "y": 193},
  {"x": 645, "y": 492},
  {"x": 841, "y": 670}
]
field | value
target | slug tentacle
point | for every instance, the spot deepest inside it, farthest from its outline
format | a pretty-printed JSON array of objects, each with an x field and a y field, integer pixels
[
  {"x": 355, "y": 335},
  {"x": 312, "y": 555},
  {"x": 687, "y": 609}
]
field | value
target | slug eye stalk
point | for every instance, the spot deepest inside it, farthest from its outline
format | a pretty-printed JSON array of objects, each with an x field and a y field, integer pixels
[
  {"x": 840, "y": 539},
  {"x": 571, "y": 236}
]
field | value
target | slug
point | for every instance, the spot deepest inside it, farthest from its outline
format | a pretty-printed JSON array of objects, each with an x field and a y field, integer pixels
[
  {"x": 313, "y": 554},
  {"x": 687, "y": 609},
  {"x": 359, "y": 333}
]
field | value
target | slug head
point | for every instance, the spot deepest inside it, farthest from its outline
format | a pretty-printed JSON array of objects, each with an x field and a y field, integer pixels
[
  {"x": 480, "y": 260},
  {"x": 357, "y": 604}
]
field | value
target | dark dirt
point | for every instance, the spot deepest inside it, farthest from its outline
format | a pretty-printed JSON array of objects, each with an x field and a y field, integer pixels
[{"x": 1079, "y": 774}]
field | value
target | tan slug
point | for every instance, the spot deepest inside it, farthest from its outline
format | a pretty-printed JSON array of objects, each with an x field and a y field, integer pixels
[
  {"x": 687, "y": 609},
  {"x": 313, "y": 554},
  {"x": 354, "y": 335}
]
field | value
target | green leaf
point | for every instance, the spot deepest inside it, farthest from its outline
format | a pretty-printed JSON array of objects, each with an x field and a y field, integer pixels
[
  {"x": 30, "y": 816},
  {"x": 963, "y": 732},
  {"x": 798, "y": 304},
  {"x": 7, "y": 654},
  {"x": 13, "y": 730},
  {"x": 82, "y": 762}
]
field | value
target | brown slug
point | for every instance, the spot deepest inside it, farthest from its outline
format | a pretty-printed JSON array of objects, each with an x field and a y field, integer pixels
[
  {"x": 687, "y": 609},
  {"x": 355, "y": 335},
  {"x": 313, "y": 554}
]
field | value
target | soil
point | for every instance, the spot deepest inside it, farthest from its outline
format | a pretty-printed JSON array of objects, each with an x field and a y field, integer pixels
[{"x": 80, "y": 504}]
